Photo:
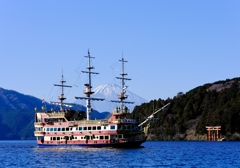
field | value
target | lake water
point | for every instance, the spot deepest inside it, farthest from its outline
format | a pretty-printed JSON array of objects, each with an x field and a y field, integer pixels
[{"x": 153, "y": 154}]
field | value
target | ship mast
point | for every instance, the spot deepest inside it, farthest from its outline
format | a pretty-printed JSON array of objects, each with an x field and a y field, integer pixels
[
  {"x": 122, "y": 95},
  {"x": 61, "y": 97},
  {"x": 88, "y": 92}
]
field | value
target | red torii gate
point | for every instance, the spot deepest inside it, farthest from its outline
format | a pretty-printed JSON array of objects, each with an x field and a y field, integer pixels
[{"x": 213, "y": 133}]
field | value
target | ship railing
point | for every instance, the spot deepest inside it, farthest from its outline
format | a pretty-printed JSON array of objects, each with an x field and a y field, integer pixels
[
  {"x": 38, "y": 124},
  {"x": 119, "y": 111},
  {"x": 39, "y": 133},
  {"x": 102, "y": 122},
  {"x": 130, "y": 121},
  {"x": 55, "y": 114}
]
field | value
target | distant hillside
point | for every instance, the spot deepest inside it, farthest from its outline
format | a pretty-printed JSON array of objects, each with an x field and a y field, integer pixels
[
  {"x": 17, "y": 114},
  {"x": 212, "y": 104}
]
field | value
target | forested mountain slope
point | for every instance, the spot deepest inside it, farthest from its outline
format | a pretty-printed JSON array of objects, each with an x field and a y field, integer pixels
[
  {"x": 208, "y": 105},
  {"x": 17, "y": 114}
]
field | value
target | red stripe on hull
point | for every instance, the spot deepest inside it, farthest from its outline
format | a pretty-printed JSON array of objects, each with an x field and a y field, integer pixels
[{"x": 109, "y": 143}]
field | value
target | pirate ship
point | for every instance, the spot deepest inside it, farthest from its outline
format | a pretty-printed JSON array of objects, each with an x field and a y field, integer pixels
[{"x": 68, "y": 127}]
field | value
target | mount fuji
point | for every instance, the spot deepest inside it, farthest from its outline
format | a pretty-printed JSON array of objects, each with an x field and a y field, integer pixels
[{"x": 110, "y": 92}]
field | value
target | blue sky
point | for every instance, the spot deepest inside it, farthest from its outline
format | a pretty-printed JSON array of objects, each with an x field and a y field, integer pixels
[{"x": 171, "y": 46}]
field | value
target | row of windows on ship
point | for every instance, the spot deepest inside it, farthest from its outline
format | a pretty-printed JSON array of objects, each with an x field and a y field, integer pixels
[
  {"x": 90, "y": 128},
  {"x": 81, "y": 137}
]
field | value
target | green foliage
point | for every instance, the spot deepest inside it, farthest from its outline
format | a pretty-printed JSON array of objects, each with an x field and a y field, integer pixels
[
  {"x": 209, "y": 105},
  {"x": 17, "y": 115}
]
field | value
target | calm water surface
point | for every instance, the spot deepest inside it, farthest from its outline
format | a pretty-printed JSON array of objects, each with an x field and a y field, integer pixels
[{"x": 154, "y": 154}]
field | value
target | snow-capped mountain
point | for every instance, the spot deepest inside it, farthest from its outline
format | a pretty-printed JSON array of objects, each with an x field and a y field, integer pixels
[{"x": 110, "y": 92}]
